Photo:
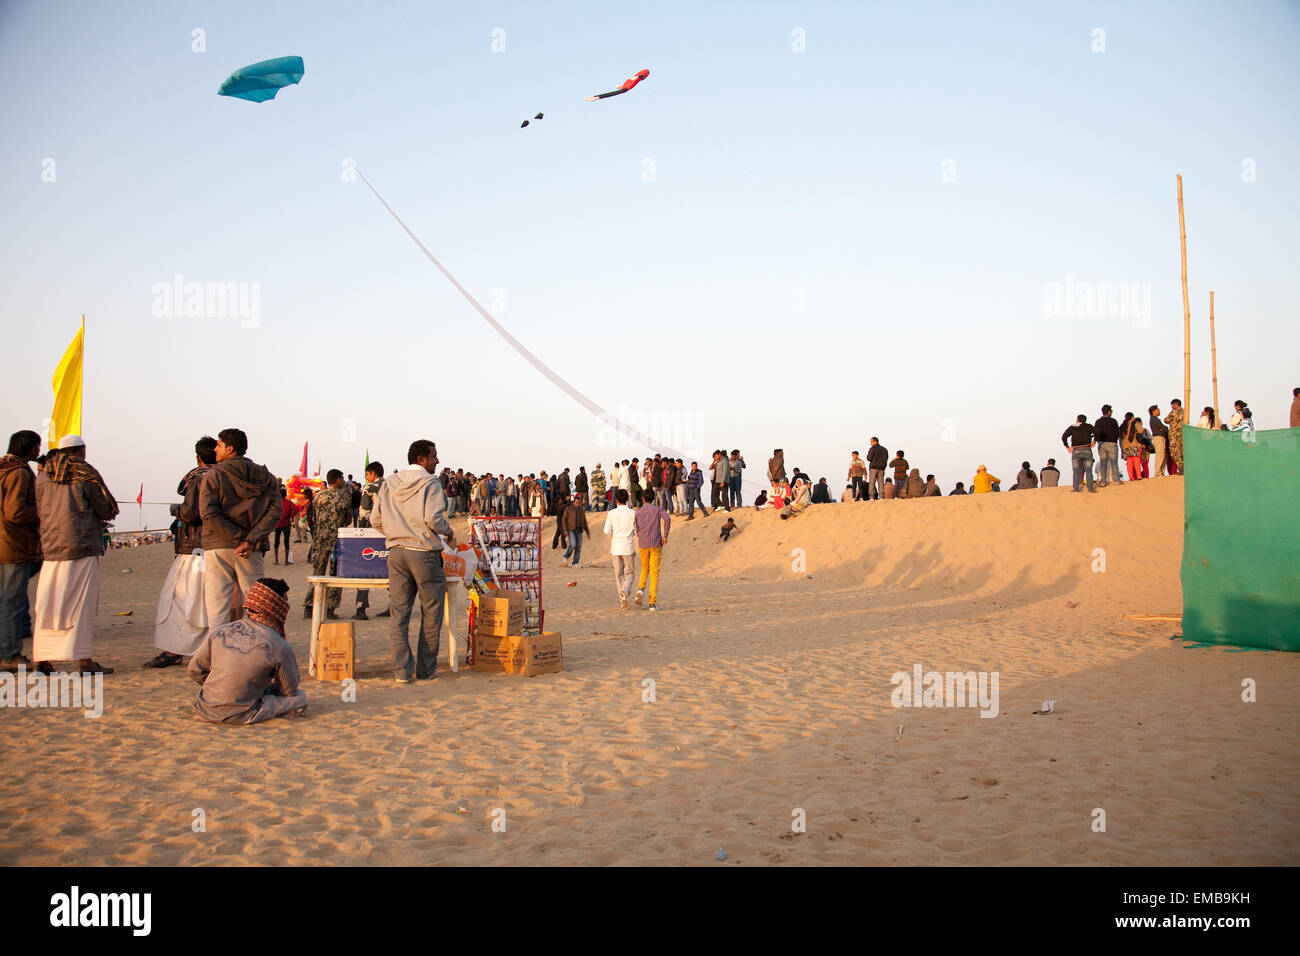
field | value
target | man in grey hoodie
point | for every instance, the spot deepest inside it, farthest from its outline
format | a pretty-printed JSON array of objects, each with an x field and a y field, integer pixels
[{"x": 411, "y": 512}]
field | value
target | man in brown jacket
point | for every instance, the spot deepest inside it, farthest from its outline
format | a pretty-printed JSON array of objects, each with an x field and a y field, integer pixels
[
  {"x": 239, "y": 503},
  {"x": 573, "y": 524},
  {"x": 20, "y": 545},
  {"x": 74, "y": 504}
]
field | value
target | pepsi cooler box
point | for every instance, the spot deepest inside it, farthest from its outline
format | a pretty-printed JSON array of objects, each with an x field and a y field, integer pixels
[{"x": 361, "y": 553}]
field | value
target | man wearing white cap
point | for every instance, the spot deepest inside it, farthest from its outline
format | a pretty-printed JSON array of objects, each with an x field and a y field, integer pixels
[{"x": 74, "y": 504}]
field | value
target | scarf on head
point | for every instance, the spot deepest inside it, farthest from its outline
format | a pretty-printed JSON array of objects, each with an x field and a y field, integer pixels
[
  {"x": 266, "y": 607},
  {"x": 65, "y": 469}
]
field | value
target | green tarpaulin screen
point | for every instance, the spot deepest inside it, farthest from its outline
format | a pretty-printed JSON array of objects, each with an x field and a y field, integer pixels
[{"x": 1241, "y": 538}]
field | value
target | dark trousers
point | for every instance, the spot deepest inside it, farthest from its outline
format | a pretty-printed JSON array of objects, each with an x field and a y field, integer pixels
[
  {"x": 412, "y": 575},
  {"x": 693, "y": 499},
  {"x": 322, "y": 561},
  {"x": 859, "y": 488},
  {"x": 15, "y": 612}
]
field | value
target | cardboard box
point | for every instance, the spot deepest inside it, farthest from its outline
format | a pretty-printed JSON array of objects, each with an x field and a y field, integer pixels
[
  {"x": 516, "y": 654},
  {"x": 336, "y": 651},
  {"x": 493, "y": 654},
  {"x": 361, "y": 553},
  {"x": 537, "y": 655},
  {"x": 500, "y": 614}
]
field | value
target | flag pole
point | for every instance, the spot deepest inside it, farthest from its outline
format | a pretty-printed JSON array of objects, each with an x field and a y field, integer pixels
[
  {"x": 1214, "y": 362},
  {"x": 1187, "y": 308}
]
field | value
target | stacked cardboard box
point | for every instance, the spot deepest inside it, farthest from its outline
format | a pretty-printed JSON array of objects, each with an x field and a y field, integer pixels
[{"x": 517, "y": 654}]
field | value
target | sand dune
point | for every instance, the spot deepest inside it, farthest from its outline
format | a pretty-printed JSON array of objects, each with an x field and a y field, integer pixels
[{"x": 772, "y": 694}]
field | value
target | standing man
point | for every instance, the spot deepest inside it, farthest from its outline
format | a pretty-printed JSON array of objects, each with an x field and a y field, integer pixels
[
  {"x": 624, "y": 479},
  {"x": 333, "y": 511},
  {"x": 573, "y": 522},
  {"x": 563, "y": 489},
  {"x": 694, "y": 484},
  {"x": 900, "y": 466},
  {"x": 857, "y": 475},
  {"x": 633, "y": 471},
  {"x": 409, "y": 510},
  {"x": 580, "y": 482},
  {"x": 374, "y": 481},
  {"x": 776, "y": 469},
  {"x": 598, "y": 502},
  {"x": 615, "y": 479},
  {"x": 1175, "y": 422},
  {"x": 1107, "y": 432},
  {"x": 354, "y": 492},
  {"x": 680, "y": 490},
  {"x": 73, "y": 505},
  {"x": 181, "y": 625},
  {"x": 239, "y": 502},
  {"x": 736, "y": 466},
  {"x": 667, "y": 483},
  {"x": 1160, "y": 438},
  {"x": 283, "y": 527},
  {"x": 20, "y": 545},
  {"x": 721, "y": 481},
  {"x": 1079, "y": 438},
  {"x": 450, "y": 491},
  {"x": 652, "y": 524},
  {"x": 620, "y": 525},
  {"x": 877, "y": 461}
]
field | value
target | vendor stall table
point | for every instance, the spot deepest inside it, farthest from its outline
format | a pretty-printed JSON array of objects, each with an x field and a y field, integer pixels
[{"x": 319, "y": 583}]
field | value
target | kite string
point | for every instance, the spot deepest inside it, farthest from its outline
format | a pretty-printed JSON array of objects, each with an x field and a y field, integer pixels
[{"x": 532, "y": 359}]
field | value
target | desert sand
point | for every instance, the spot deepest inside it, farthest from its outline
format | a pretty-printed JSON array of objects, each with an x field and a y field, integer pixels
[{"x": 772, "y": 694}]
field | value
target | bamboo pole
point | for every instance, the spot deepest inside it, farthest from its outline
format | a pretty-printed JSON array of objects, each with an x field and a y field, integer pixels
[
  {"x": 1214, "y": 362},
  {"x": 1187, "y": 308}
]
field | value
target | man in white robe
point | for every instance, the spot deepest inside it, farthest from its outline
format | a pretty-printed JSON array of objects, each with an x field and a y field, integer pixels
[
  {"x": 181, "y": 624},
  {"x": 74, "y": 505}
]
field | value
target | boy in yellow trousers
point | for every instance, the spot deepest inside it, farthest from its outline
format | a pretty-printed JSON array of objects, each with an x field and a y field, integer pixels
[{"x": 652, "y": 524}]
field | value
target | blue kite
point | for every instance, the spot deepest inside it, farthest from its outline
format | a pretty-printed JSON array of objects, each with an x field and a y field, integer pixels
[{"x": 260, "y": 82}]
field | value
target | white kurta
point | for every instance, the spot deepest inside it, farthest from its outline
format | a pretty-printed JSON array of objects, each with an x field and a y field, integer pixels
[
  {"x": 67, "y": 599},
  {"x": 181, "y": 624}
]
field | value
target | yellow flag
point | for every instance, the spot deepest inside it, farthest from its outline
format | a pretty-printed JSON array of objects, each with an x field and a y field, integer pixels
[{"x": 66, "y": 417}]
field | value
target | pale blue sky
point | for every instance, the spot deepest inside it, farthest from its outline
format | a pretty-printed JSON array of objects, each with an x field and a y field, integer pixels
[{"x": 780, "y": 178}]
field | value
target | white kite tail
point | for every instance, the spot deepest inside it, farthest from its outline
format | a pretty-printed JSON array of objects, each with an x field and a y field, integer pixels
[{"x": 532, "y": 359}]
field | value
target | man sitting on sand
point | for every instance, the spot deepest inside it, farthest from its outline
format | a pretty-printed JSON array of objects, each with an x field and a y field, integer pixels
[
  {"x": 1050, "y": 475},
  {"x": 983, "y": 482},
  {"x": 248, "y": 670},
  {"x": 821, "y": 493},
  {"x": 959, "y": 490}
]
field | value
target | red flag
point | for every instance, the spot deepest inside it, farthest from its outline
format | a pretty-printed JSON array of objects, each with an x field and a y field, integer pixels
[
  {"x": 302, "y": 469},
  {"x": 139, "y": 499}
]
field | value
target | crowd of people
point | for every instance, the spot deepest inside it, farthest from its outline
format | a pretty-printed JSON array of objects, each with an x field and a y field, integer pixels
[
  {"x": 135, "y": 539},
  {"x": 218, "y": 608}
]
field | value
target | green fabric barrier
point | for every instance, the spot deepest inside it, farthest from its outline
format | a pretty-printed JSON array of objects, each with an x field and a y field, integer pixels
[{"x": 1241, "y": 538}]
